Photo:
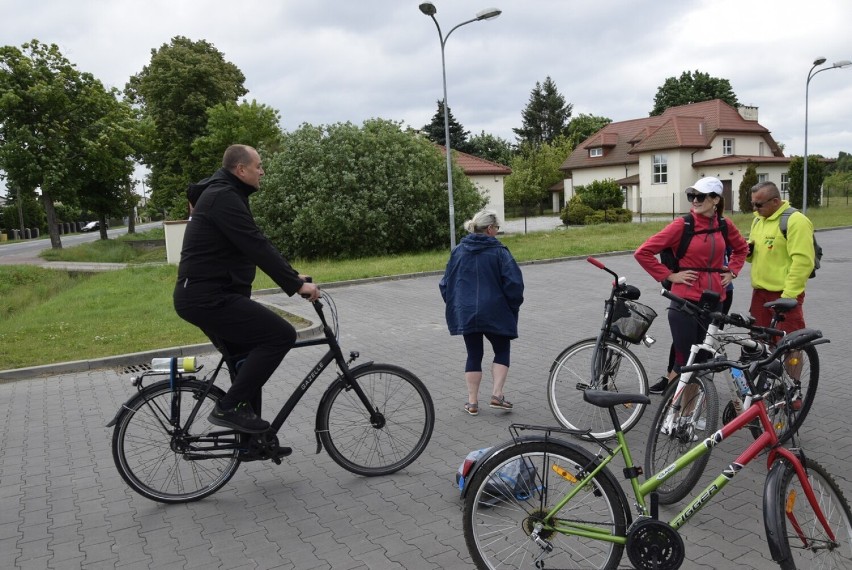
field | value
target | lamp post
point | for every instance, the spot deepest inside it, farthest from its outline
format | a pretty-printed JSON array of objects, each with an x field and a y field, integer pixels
[
  {"x": 430, "y": 10},
  {"x": 817, "y": 62}
]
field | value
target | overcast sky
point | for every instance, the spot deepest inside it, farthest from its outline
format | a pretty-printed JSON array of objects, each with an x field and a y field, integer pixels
[{"x": 328, "y": 61}]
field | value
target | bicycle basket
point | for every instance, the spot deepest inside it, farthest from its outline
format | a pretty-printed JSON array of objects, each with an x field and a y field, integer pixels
[{"x": 631, "y": 320}]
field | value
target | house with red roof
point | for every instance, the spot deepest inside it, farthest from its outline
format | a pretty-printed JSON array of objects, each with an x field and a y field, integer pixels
[
  {"x": 487, "y": 176},
  {"x": 655, "y": 159}
]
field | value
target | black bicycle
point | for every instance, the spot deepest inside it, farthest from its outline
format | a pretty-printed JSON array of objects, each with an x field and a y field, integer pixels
[{"x": 374, "y": 419}]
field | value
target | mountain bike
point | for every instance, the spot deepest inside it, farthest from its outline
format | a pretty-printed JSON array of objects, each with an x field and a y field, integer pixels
[
  {"x": 690, "y": 405},
  {"x": 373, "y": 419},
  {"x": 603, "y": 363},
  {"x": 545, "y": 502}
]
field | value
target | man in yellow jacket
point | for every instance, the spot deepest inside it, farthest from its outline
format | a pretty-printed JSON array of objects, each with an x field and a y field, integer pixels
[{"x": 780, "y": 267}]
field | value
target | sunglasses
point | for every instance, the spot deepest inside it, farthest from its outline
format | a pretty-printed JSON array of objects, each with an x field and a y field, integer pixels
[
  {"x": 761, "y": 204},
  {"x": 699, "y": 197}
]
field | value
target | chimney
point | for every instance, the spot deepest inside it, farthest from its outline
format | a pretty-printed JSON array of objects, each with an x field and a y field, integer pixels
[{"x": 747, "y": 112}]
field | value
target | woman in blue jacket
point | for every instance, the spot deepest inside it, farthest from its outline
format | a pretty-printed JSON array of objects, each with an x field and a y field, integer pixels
[{"x": 483, "y": 290}]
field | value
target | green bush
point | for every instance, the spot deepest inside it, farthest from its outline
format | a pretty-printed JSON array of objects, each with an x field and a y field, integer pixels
[
  {"x": 575, "y": 212},
  {"x": 614, "y": 216},
  {"x": 343, "y": 191}
]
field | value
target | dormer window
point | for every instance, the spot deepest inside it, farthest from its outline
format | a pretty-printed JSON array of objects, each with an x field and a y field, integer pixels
[{"x": 595, "y": 152}]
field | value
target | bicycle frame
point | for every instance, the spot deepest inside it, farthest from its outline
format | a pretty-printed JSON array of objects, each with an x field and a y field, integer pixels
[{"x": 641, "y": 491}]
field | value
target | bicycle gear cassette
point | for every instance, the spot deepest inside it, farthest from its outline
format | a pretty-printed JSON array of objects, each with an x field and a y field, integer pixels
[{"x": 654, "y": 545}]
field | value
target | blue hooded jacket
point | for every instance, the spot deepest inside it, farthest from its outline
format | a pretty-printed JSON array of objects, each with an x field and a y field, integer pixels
[{"x": 482, "y": 287}]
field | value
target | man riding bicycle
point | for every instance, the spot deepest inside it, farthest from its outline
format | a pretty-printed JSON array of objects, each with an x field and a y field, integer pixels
[{"x": 222, "y": 249}]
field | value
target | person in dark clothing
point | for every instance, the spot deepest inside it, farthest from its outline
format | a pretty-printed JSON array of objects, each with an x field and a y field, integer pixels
[
  {"x": 483, "y": 290},
  {"x": 222, "y": 249}
]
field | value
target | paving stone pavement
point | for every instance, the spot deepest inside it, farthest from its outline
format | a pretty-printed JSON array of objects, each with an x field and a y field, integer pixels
[{"x": 63, "y": 504}]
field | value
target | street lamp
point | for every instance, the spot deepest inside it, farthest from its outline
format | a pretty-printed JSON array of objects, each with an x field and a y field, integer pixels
[
  {"x": 430, "y": 10},
  {"x": 817, "y": 62}
]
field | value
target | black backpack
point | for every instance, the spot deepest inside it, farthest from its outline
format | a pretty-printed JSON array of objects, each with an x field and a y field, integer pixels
[
  {"x": 785, "y": 216},
  {"x": 671, "y": 257}
]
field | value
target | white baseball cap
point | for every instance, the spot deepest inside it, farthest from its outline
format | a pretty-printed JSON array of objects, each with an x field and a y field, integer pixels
[{"x": 708, "y": 185}]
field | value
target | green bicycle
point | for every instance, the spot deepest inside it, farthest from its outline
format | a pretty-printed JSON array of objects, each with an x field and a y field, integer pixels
[{"x": 543, "y": 502}]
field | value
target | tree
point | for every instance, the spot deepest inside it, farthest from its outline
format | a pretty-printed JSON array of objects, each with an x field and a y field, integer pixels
[
  {"x": 583, "y": 126},
  {"x": 40, "y": 128},
  {"x": 546, "y": 115},
  {"x": 344, "y": 191},
  {"x": 796, "y": 175},
  {"x": 749, "y": 180},
  {"x": 601, "y": 194},
  {"x": 692, "y": 88},
  {"x": 434, "y": 131},
  {"x": 182, "y": 81},
  {"x": 491, "y": 148},
  {"x": 230, "y": 123},
  {"x": 534, "y": 171}
]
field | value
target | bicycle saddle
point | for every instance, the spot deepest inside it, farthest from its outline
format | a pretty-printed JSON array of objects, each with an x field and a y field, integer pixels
[{"x": 603, "y": 399}]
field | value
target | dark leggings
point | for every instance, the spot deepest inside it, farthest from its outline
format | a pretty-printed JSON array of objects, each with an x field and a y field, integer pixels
[
  {"x": 686, "y": 331},
  {"x": 726, "y": 306},
  {"x": 246, "y": 328},
  {"x": 475, "y": 350}
]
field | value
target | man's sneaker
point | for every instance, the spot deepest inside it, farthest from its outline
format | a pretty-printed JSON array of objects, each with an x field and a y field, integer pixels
[
  {"x": 241, "y": 418},
  {"x": 660, "y": 386}
]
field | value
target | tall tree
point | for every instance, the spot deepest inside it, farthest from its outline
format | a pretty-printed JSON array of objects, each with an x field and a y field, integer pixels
[
  {"x": 491, "y": 147},
  {"x": 41, "y": 129},
  {"x": 749, "y": 180},
  {"x": 546, "y": 115},
  {"x": 692, "y": 88},
  {"x": 230, "y": 123},
  {"x": 183, "y": 79},
  {"x": 434, "y": 131},
  {"x": 796, "y": 175},
  {"x": 583, "y": 126}
]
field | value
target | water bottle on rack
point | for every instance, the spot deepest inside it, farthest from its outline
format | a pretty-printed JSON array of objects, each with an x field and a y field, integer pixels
[
  {"x": 739, "y": 389},
  {"x": 183, "y": 364}
]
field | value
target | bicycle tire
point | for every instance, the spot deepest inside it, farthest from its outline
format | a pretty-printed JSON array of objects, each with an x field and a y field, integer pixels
[
  {"x": 497, "y": 519},
  {"x": 787, "y": 540},
  {"x": 663, "y": 449},
  {"x": 569, "y": 377},
  {"x": 358, "y": 446},
  {"x": 146, "y": 456},
  {"x": 784, "y": 387}
]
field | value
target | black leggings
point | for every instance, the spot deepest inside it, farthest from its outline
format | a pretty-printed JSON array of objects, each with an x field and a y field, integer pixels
[
  {"x": 475, "y": 350},
  {"x": 246, "y": 328},
  {"x": 726, "y": 306}
]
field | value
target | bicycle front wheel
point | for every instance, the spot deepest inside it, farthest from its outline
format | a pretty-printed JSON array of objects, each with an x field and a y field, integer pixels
[
  {"x": 790, "y": 390},
  {"x": 505, "y": 510},
  {"x": 676, "y": 428},
  {"x": 571, "y": 374},
  {"x": 792, "y": 526},
  {"x": 359, "y": 446},
  {"x": 166, "y": 464}
]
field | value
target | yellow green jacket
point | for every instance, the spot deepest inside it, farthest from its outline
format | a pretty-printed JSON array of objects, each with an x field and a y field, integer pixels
[{"x": 779, "y": 264}]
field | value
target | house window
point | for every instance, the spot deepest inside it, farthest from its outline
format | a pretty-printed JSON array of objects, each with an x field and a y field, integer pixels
[
  {"x": 785, "y": 185},
  {"x": 727, "y": 147},
  {"x": 762, "y": 178},
  {"x": 597, "y": 151},
  {"x": 661, "y": 170}
]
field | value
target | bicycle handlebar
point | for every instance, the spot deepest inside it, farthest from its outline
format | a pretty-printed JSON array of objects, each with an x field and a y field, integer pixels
[
  {"x": 735, "y": 319},
  {"x": 796, "y": 340}
]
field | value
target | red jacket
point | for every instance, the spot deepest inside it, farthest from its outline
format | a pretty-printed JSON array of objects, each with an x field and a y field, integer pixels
[{"x": 705, "y": 250}]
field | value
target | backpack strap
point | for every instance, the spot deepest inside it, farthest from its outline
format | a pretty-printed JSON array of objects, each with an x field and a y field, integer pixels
[
  {"x": 685, "y": 236},
  {"x": 785, "y": 217}
]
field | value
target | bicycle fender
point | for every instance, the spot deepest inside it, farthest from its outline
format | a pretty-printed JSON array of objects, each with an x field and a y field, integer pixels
[
  {"x": 327, "y": 395},
  {"x": 124, "y": 407},
  {"x": 591, "y": 457},
  {"x": 771, "y": 505}
]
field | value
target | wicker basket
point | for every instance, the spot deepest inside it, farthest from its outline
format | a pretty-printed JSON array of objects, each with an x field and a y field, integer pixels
[{"x": 631, "y": 320}]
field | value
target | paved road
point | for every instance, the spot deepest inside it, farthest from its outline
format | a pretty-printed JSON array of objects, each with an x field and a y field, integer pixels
[{"x": 62, "y": 504}]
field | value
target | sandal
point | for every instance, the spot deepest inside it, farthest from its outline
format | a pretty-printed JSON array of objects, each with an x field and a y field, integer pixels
[
  {"x": 500, "y": 403},
  {"x": 472, "y": 409}
]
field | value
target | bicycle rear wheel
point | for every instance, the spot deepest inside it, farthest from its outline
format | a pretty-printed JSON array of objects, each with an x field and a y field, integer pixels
[
  {"x": 793, "y": 382},
  {"x": 797, "y": 539},
  {"x": 698, "y": 401},
  {"x": 513, "y": 491},
  {"x": 357, "y": 445},
  {"x": 571, "y": 375},
  {"x": 166, "y": 466}
]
